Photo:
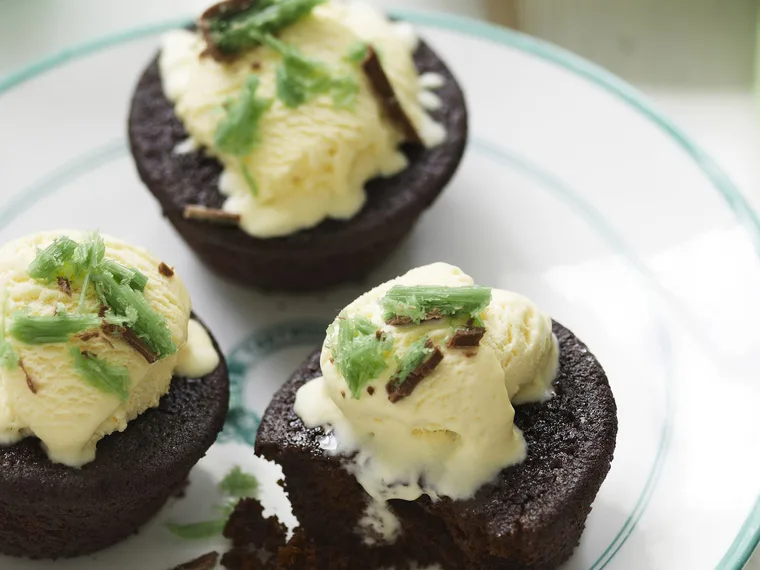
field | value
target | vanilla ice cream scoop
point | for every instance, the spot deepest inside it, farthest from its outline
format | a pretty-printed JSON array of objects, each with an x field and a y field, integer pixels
[
  {"x": 312, "y": 159},
  {"x": 77, "y": 366},
  {"x": 421, "y": 398}
]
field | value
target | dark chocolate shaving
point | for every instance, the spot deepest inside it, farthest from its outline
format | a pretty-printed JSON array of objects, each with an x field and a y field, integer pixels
[
  {"x": 102, "y": 310},
  {"x": 195, "y": 212},
  {"x": 400, "y": 320},
  {"x": 205, "y": 562},
  {"x": 64, "y": 285},
  {"x": 386, "y": 96},
  {"x": 130, "y": 337},
  {"x": 220, "y": 10},
  {"x": 378, "y": 334},
  {"x": 400, "y": 390},
  {"x": 29, "y": 381},
  {"x": 466, "y": 337},
  {"x": 165, "y": 270},
  {"x": 370, "y": 390},
  {"x": 88, "y": 335}
]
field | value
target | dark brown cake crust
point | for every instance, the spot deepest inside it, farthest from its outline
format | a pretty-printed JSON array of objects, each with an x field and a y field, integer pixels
[
  {"x": 49, "y": 510},
  {"x": 530, "y": 519},
  {"x": 349, "y": 249}
]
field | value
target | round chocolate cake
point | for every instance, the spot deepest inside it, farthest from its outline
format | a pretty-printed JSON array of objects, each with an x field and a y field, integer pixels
[
  {"x": 530, "y": 518},
  {"x": 49, "y": 510},
  {"x": 332, "y": 252}
]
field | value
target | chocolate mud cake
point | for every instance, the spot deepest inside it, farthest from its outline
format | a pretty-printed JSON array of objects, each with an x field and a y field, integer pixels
[
  {"x": 50, "y": 510},
  {"x": 529, "y": 516},
  {"x": 124, "y": 390},
  {"x": 327, "y": 249}
]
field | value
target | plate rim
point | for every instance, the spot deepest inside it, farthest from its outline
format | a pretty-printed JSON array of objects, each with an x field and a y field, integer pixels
[{"x": 748, "y": 536}]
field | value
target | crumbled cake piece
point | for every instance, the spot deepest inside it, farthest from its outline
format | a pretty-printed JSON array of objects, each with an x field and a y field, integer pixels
[{"x": 247, "y": 526}]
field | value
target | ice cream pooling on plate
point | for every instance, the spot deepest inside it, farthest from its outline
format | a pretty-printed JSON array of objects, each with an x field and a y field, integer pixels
[
  {"x": 428, "y": 408},
  {"x": 307, "y": 154},
  {"x": 74, "y": 368}
]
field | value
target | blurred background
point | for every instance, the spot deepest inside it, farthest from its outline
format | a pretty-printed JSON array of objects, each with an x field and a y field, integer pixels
[{"x": 697, "y": 59}]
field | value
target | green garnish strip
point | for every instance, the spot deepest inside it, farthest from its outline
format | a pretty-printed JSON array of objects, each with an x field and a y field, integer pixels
[
  {"x": 414, "y": 304},
  {"x": 237, "y": 133},
  {"x": 229, "y": 32},
  {"x": 87, "y": 257},
  {"x": 8, "y": 357},
  {"x": 360, "y": 352},
  {"x": 300, "y": 79},
  {"x": 357, "y": 53},
  {"x": 150, "y": 326},
  {"x": 98, "y": 373},
  {"x": 51, "y": 262},
  {"x": 48, "y": 329}
]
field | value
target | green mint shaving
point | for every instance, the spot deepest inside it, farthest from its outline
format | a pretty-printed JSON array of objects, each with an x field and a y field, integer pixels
[
  {"x": 236, "y": 32},
  {"x": 238, "y": 134},
  {"x": 8, "y": 356},
  {"x": 46, "y": 329},
  {"x": 411, "y": 360},
  {"x": 53, "y": 261},
  {"x": 361, "y": 352},
  {"x": 250, "y": 181},
  {"x": 119, "y": 288},
  {"x": 236, "y": 485},
  {"x": 108, "y": 378},
  {"x": 357, "y": 53},
  {"x": 126, "y": 302},
  {"x": 404, "y": 304},
  {"x": 87, "y": 256},
  {"x": 66, "y": 258},
  {"x": 129, "y": 276},
  {"x": 195, "y": 531},
  {"x": 128, "y": 319},
  {"x": 300, "y": 79}
]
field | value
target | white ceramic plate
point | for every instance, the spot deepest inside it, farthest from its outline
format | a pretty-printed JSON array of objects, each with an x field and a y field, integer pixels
[{"x": 574, "y": 191}]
